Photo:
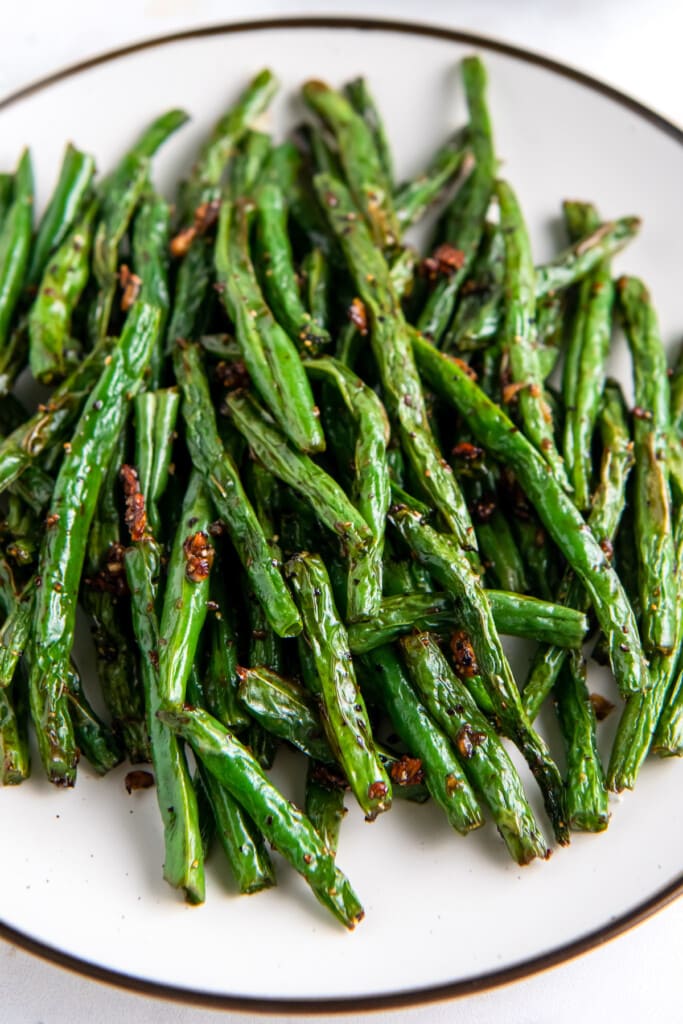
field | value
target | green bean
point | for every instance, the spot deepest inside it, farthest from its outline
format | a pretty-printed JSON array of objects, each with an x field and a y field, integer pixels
[
  {"x": 102, "y": 597},
  {"x": 248, "y": 164},
  {"x": 550, "y": 320},
  {"x": 316, "y": 274},
  {"x": 201, "y": 192},
  {"x": 326, "y": 497},
  {"x": 414, "y": 198},
  {"x": 51, "y": 423},
  {"x": 268, "y": 353},
  {"x": 242, "y": 843},
  {"x": 15, "y": 633},
  {"x": 119, "y": 195},
  {"x": 654, "y": 535},
  {"x": 465, "y": 217},
  {"x": 361, "y": 99},
  {"x": 285, "y": 709},
  {"x": 63, "y": 548},
  {"x": 360, "y": 160},
  {"x": 6, "y": 194},
  {"x": 61, "y": 286},
  {"x": 591, "y": 338},
  {"x": 482, "y": 289},
  {"x": 668, "y": 737},
  {"x": 279, "y": 275},
  {"x": 383, "y": 674},
  {"x": 324, "y": 804},
  {"x": 567, "y": 268},
  {"x": 587, "y": 803},
  {"x": 95, "y": 740},
  {"x": 370, "y": 491},
  {"x": 220, "y": 679},
  {"x": 156, "y": 413},
  {"x": 608, "y": 503},
  {"x": 15, "y": 244},
  {"x": 646, "y": 712},
  {"x": 572, "y": 264},
  {"x": 450, "y": 567},
  {"x": 513, "y": 614},
  {"x": 150, "y": 263},
  {"x": 15, "y": 759},
  {"x": 495, "y": 539},
  {"x": 222, "y": 480},
  {"x": 675, "y": 448},
  {"x": 186, "y": 594},
  {"x": 184, "y": 862},
  {"x": 344, "y": 715},
  {"x": 283, "y": 825},
  {"x": 560, "y": 517},
  {"x": 15, "y": 764},
  {"x": 482, "y": 755},
  {"x": 519, "y": 332},
  {"x": 391, "y": 348},
  {"x": 205, "y": 179},
  {"x": 65, "y": 207}
]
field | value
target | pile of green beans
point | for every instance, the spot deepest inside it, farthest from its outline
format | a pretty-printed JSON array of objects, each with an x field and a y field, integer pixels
[{"x": 302, "y": 482}]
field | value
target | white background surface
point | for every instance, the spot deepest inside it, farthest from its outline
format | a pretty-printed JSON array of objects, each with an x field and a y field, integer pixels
[{"x": 631, "y": 44}]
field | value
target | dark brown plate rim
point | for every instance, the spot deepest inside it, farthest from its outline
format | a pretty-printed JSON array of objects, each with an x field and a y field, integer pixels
[{"x": 413, "y": 997}]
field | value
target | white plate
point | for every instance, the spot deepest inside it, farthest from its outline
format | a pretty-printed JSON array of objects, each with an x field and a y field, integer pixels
[{"x": 80, "y": 876}]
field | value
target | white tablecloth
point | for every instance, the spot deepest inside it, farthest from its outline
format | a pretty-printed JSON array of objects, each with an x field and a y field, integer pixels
[{"x": 635, "y": 46}]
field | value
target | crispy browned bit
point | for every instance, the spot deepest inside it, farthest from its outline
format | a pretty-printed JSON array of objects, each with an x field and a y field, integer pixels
[
  {"x": 467, "y": 739},
  {"x": 464, "y": 658},
  {"x": 180, "y": 243},
  {"x": 601, "y": 706},
  {"x": 358, "y": 316},
  {"x": 138, "y": 779},
  {"x": 608, "y": 547},
  {"x": 482, "y": 508},
  {"x": 205, "y": 215},
  {"x": 130, "y": 284},
  {"x": 641, "y": 414},
  {"x": 52, "y": 519},
  {"x": 110, "y": 578},
  {"x": 510, "y": 391},
  {"x": 135, "y": 515},
  {"x": 443, "y": 262},
  {"x": 407, "y": 771},
  {"x": 199, "y": 554},
  {"x": 376, "y": 790},
  {"x": 233, "y": 376},
  {"x": 329, "y": 776},
  {"x": 466, "y": 368},
  {"x": 464, "y": 451}
]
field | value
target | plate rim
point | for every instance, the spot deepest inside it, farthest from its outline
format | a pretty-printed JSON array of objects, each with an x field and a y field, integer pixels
[{"x": 433, "y": 993}]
